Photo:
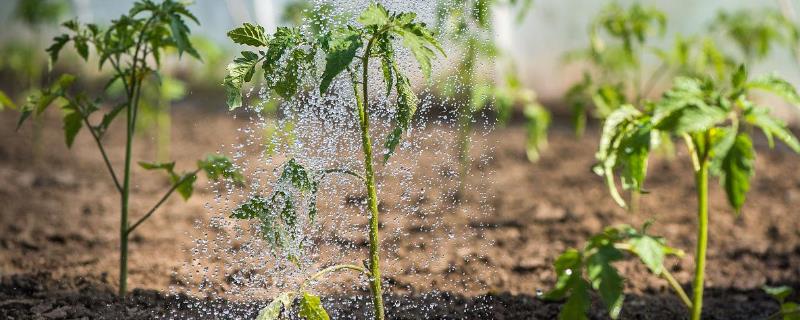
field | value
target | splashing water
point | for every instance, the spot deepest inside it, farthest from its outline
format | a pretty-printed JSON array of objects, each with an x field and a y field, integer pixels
[{"x": 430, "y": 241}]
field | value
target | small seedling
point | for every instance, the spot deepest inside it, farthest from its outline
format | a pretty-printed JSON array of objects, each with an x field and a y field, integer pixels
[
  {"x": 714, "y": 120},
  {"x": 592, "y": 268},
  {"x": 132, "y": 45},
  {"x": 789, "y": 310},
  {"x": 286, "y": 57}
]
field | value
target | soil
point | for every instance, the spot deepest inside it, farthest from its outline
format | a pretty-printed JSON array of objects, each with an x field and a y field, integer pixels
[{"x": 58, "y": 238}]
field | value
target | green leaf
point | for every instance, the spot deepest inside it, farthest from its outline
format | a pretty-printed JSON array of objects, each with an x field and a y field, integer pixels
[
  {"x": 218, "y": 166},
  {"x": 776, "y": 85},
  {"x": 81, "y": 47},
  {"x": 772, "y": 127},
  {"x": 249, "y": 34},
  {"x": 180, "y": 34},
  {"x": 684, "y": 109},
  {"x": 417, "y": 38},
  {"x": 73, "y": 121},
  {"x": 311, "y": 308},
  {"x": 274, "y": 309},
  {"x": 340, "y": 49},
  {"x": 578, "y": 303},
  {"x": 297, "y": 175},
  {"x": 736, "y": 170},
  {"x": 739, "y": 77},
  {"x": 239, "y": 72},
  {"x": 780, "y": 293},
  {"x": 406, "y": 107},
  {"x": 168, "y": 166},
  {"x": 253, "y": 208},
  {"x": 374, "y": 15},
  {"x": 605, "y": 279},
  {"x": 651, "y": 251},
  {"x": 184, "y": 184},
  {"x": 55, "y": 48},
  {"x": 568, "y": 266}
]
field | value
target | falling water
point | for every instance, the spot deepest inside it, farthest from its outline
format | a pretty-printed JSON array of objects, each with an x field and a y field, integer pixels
[{"x": 430, "y": 235}]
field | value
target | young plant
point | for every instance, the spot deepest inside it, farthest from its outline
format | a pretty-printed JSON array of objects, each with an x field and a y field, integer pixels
[
  {"x": 469, "y": 23},
  {"x": 286, "y": 57},
  {"x": 592, "y": 268},
  {"x": 789, "y": 310},
  {"x": 130, "y": 45},
  {"x": 714, "y": 120},
  {"x": 618, "y": 40}
]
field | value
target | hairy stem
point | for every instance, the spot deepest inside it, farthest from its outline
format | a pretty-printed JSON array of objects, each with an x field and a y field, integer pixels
[
  {"x": 369, "y": 182},
  {"x": 701, "y": 182}
]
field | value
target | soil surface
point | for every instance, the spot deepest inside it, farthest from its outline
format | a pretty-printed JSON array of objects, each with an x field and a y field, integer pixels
[{"x": 58, "y": 232}]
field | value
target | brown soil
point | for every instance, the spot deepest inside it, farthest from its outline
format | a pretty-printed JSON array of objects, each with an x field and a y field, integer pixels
[{"x": 58, "y": 238}]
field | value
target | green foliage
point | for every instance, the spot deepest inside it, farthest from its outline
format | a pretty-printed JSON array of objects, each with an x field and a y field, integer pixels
[
  {"x": 132, "y": 45},
  {"x": 756, "y": 32},
  {"x": 592, "y": 268},
  {"x": 275, "y": 308},
  {"x": 709, "y": 114},
  {"x": 288, "y": 60},
  {"x": 789, "y": 310},
  {"x": 6, "y": 102}
]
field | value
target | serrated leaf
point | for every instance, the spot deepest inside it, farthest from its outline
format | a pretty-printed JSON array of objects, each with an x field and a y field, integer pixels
[
  {"x": 54, "y": 49},
  {"x": 274, "y": 309},
  {"x": 374, "y": 15},
  {"x": 81, "y": 47},
  {"x": 684, "y": 109},
  {"x": 297, "y": 175},
  {"x": 406, "y": 107},
  {"x": 772, "y": 127},
  {"x": 568, "y": 266},
  {"x": 239, "y": 72},
  {"x": 340, "y": 51},
  {"x": 311, "y": 308},
  {"x": 421, "y": 42},
  {"x": 249, "y": 34},
  {"x": 737, "y": 168},
  {"x": 180, "y": 35},
  {"x": 776, "y": 85},
  {"x": 253, "y": 208}
]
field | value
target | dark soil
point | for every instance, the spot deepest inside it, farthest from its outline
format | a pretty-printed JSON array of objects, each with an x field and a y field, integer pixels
[{"x": 58, "y": 238}]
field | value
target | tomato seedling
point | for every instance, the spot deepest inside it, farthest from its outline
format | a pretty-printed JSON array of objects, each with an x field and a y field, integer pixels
[
  {"x": 132, "y": 45},
  {"x": 470, "y": 25},
  {"x": 285, "y": 58},
  {"x": 713, "y": 118}
]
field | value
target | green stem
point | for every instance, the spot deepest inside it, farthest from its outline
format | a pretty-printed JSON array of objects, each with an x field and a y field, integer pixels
[
  {"x": 331, "y": 269},
  {"x": 701, "y": 182},
  {"x": 676, "y": 287},
  {"x": 369, "y": 182}
]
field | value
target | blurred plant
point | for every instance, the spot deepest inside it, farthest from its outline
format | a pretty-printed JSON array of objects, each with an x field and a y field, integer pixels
[
  {"x": 618, "y": 38},
  {"x": 715, "y": 119},
  {"x": 469, "y": 24},
  {"x": 789, "y": 310},
  {"x": 155, "y": 111},
  {"x": 133, "y": 45},
  {"x": 756, "y": 32},
  {"x": 286, "y": 57}
]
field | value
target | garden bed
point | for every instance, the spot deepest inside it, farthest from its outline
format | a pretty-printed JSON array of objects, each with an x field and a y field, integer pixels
[{"x": 58, "y": 238}]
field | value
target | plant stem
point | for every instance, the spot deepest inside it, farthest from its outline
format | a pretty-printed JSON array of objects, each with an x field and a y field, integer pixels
[
  {"x": 161, "y": 201},
  {"x": 676, "y": 287},
  {"x": 124, "y": 195},
  {"x": 369, "y": 182},
  {"x": 701, "y": 182},
  {"x": 331, "y": 269}
]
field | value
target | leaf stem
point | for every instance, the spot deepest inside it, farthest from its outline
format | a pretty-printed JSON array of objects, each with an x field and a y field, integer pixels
[
  {"x": 331, "y": 269},
  {"x": 676, "y": 287},
  {"x": 104, "y": 154},
  {"x": 343, "y": 171},
  {"x": 161, "y": 201}
]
